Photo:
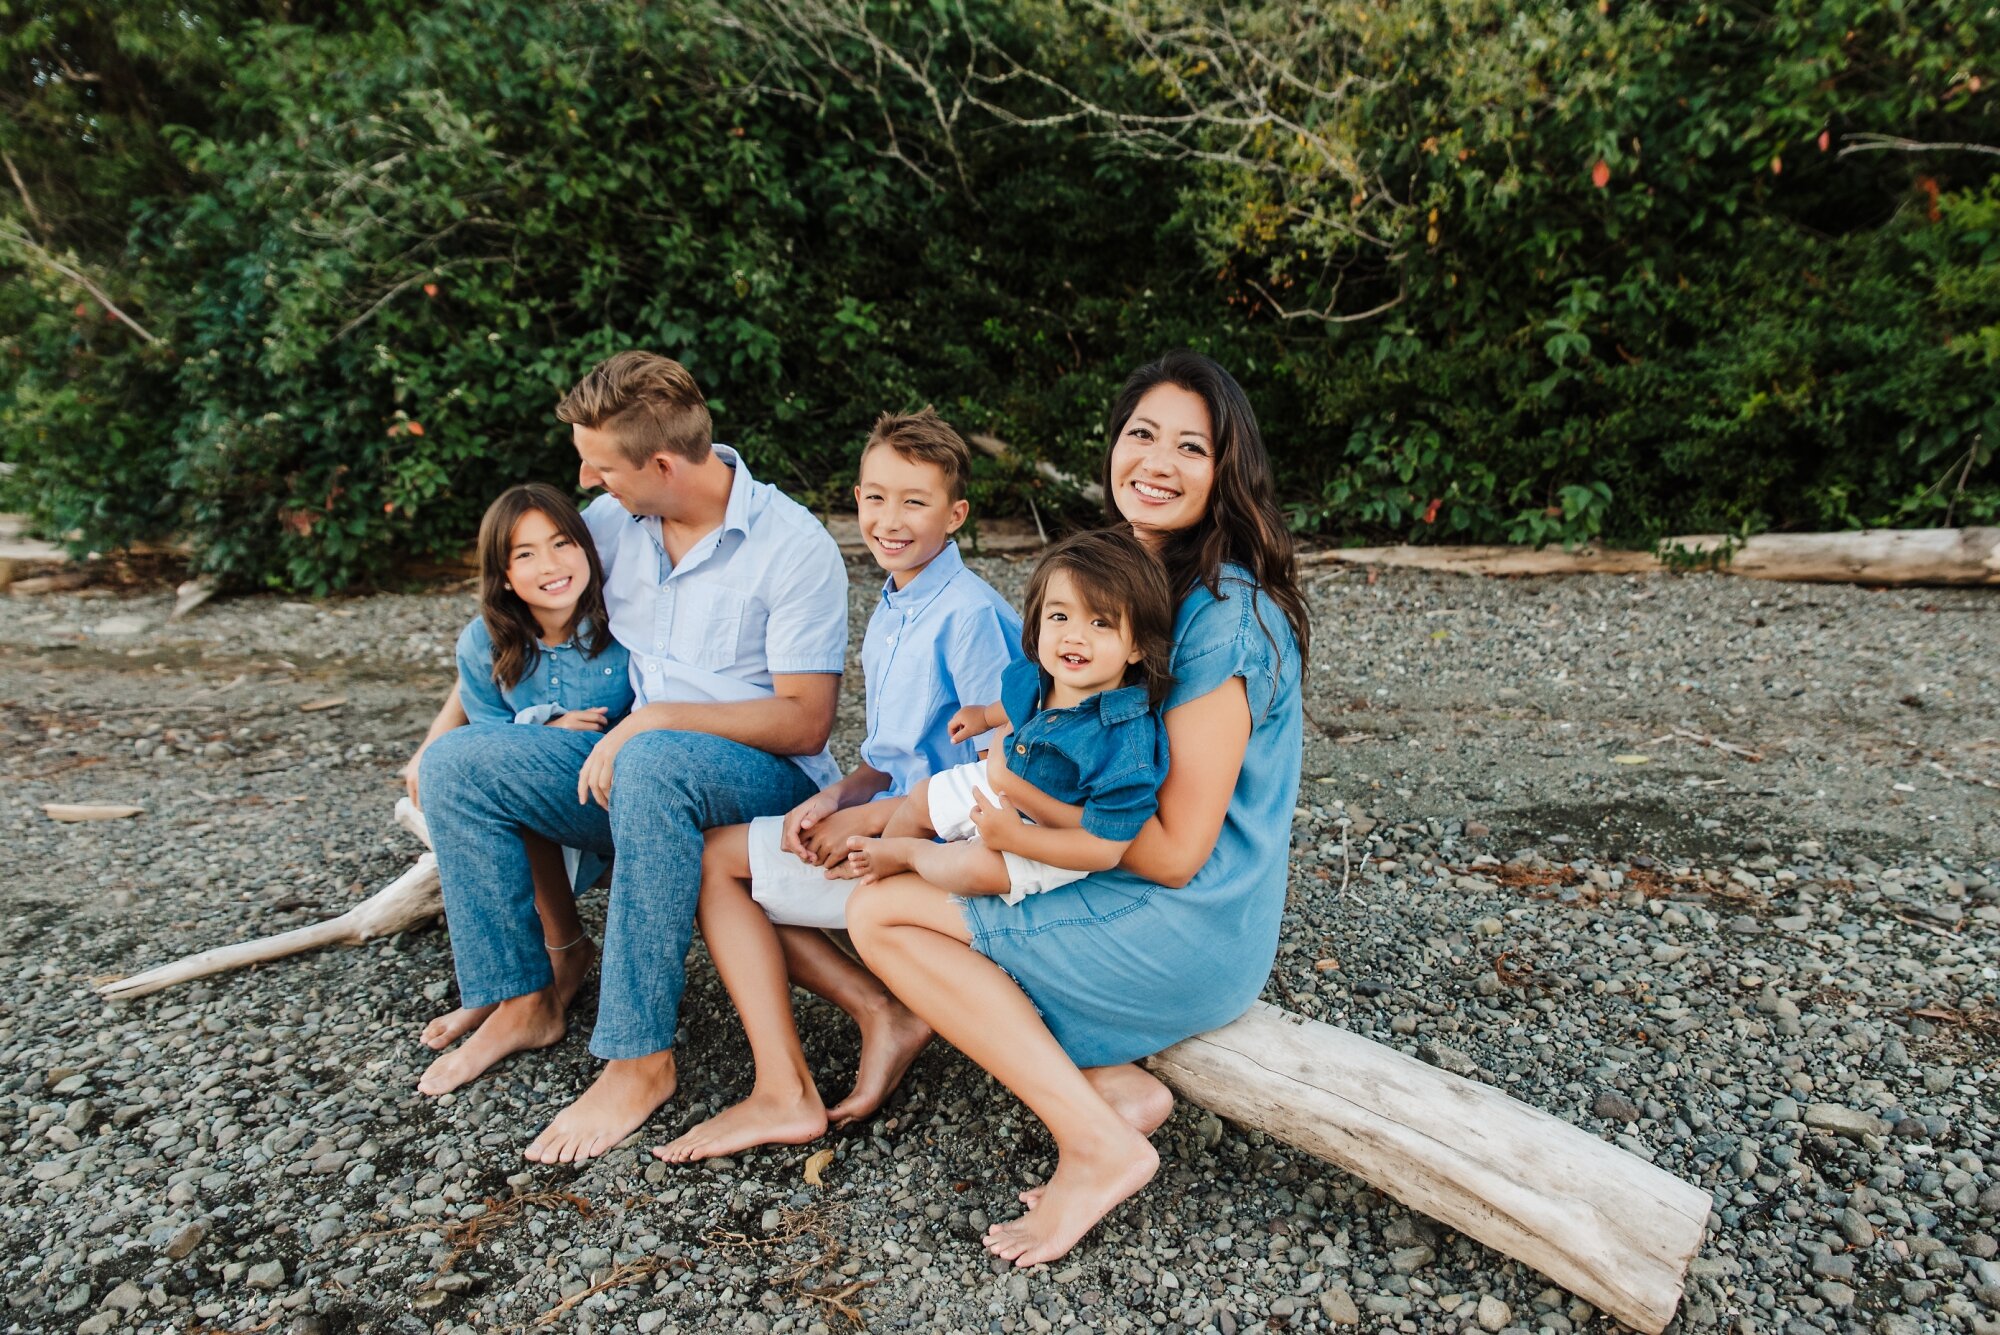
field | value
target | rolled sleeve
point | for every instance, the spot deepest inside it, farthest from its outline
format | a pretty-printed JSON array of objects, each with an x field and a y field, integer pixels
[
  {"x": 1224, "y": 639},
  {"x": 477, "y": 691},
  {"x": 807, "y": 627}
]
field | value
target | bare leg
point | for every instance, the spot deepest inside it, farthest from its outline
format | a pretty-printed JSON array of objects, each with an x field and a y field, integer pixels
[
  {"x": 891, "y": 1036},
  {"x": 570, "y": 955},
  {"x": 915, "y": 940},
  {"x": 1134, "y": 1094},
  {"x": 784, "y": 1107},
  {"x": 615, "y": 1106},
  {"x": 913, "y": 818},
  {"x": 965, "y": 867}
]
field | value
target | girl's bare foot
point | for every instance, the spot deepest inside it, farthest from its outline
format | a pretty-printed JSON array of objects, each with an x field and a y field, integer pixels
[
  {"x": 891, "y": 1038},
  {"x": 765, "y": 1118},
  {"x": 570, "y": 967},
  {"x": 445, "y": 1030},
  {"x": 1089, "y": 1183},
  {"x": 1139, "y": 1099},
  {"x": 616, "y": 1105},
  {"x": 516, "y": 1025},
  {"x": 874, "y": 859}
]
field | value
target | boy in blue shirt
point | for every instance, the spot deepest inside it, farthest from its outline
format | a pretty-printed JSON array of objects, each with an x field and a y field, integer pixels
[{"x": 940, "y": 637}]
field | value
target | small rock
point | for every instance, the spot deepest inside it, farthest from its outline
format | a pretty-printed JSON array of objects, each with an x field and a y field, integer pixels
[
  {"x": 1338, "y": 1307},
  {"x": 125, "y": 625},
  {"x": 1846, "y": 1122},
  {"x": 99, "y": 1324},
  {"x": 266, "y": 1275},
  {"x": 453, "y": 1282},
  {"x": 1835, "y": 1294},
  {"x": 1493, "y": 1314},
  {"x": 1854, "y": 1226},
  {"x": 184, "y": 1242},
  {"x": 1615, "y": 1107},
  {"x": 1448, "y": 1059},
  {"x": 125, "y": 1297},
  {"x": 1409, "y": 1260}
]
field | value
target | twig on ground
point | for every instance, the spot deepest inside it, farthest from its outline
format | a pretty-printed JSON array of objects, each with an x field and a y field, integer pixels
[
  {"x": 629, "y": 1272},
  {"x": 1709, "y": 739}
]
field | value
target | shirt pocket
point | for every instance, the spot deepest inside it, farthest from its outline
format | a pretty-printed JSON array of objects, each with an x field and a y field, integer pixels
[{"x": 708, "y": 628}]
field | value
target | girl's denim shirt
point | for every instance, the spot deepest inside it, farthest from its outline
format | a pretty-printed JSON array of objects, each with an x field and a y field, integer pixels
[
  {"x": 1107, "y": 754},
  {"x": 559, "y": 681}
]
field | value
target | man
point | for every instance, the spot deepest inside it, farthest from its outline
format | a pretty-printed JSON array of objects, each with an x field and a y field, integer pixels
[{"x": 732, "y": 599}]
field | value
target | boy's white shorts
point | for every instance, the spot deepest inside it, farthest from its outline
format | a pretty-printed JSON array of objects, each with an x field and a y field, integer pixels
[
  {"x": 952, "y": 793},
  {"x": 790, "y": 891}
]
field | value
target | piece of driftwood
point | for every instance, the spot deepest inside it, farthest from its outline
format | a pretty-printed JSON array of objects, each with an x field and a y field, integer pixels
[
  {"x": 1947, "y": 556},
  {"x": 74, "y": 812},
  {"x": 410, "y": 899},
  {"x": 1605, "y": 1224}
]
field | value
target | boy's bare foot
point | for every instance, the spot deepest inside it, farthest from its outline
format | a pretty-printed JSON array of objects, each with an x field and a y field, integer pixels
[
  {"x": 1140, "y": 1100},
  {"x": 1089, "y": 1183},
  {"x": 516, "y": 1025},
  {"x": 791, "y": 1118},
  {"x": 570, "y": 966},
  {"x": 891, "y": 1038},
  {"x": 877, "y": 858},
  {"x": 615, "y": 1106}
]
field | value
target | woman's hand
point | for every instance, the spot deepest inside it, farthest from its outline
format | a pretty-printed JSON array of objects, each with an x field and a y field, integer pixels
[
  {"x": 594, "y": 780},
  {"x": 998, "y": 821},
  {"x": 410, "y": 774},
  {"x": 581, "y": 720}
]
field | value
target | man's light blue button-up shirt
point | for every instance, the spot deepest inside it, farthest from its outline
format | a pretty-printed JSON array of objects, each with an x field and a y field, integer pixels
[
  {"x": 932, "y": 647},
  {"x": 764, "y": 594}
]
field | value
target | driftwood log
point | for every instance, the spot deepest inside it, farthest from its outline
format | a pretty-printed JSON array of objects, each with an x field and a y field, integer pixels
[
  {"x": 1606, "y": 1225},
  {"x": 1946, "y": 556}
]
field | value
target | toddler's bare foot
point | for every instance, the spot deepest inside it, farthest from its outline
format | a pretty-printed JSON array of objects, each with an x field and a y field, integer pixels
[
  {"x": 877, "y": 858},
  {"x": 891, "y": 1038},
  {"x": 1089, "y": 1183},
  {"x": 445, "y": 1030},
  {"x": 615, "y": 1106},
  {"x": 765, "y": 1118},
  {"x": 516, "y": 1025}
]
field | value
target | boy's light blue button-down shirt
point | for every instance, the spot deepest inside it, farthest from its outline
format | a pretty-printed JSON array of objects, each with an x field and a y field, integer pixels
[
  {"x": 764, "y": 594},
  {"x": 940, "y": 643}
]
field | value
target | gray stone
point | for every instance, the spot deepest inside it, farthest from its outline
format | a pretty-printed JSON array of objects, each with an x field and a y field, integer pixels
[
  {"x": 266, "y": 1275},
  {"x": 1409, "y": 1260},
  {"x": 98, "y": 1325},
  {"x": 1493, "y": 1315},
  {"x": 1338, "y": 1306},
  {"x": 184, "y": 1242},
  {"x": 1854, "y": 1226},
  {"x": 1847, "y": 1122},
  {"x": 125, "y": 1297},
  {"x": 1615, "y": 1107}
]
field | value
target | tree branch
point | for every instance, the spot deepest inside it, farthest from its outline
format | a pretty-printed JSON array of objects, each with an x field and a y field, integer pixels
[
  {"x": 9, "y": 232},
  {"x": 1875, "y": 143},
  {"x": 27, "y": 200}
]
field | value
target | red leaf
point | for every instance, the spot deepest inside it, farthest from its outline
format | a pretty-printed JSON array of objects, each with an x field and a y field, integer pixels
[
  {"x": 1431, "y": 511},
  {"x": 1600, "y": 175},
  {"x": 1825, "y": 140}
]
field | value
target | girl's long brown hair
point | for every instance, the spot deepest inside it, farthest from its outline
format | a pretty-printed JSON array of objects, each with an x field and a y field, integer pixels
[
  {"x": 1243, "y": 523},
  {"x": 511, "y": 623}
]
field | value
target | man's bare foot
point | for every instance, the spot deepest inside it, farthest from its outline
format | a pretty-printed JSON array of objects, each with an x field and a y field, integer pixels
[
  {"x": 615, "y": 1106},
  {"x": 1088, "y": 1184},
  {"x": 791, "y": 1118},
  {"x": 1141, "y": 1101},
  {"x": 570, "y": 967},
  {"x": 891, "y": 1038},
  {"x": 516, "y": 1025},
  {"x": 445, "y": 1030},
  {"x": 874, "y": 859}
]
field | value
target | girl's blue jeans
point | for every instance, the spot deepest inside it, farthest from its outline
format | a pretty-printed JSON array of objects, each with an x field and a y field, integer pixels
[{"x": 485, "y": 784}]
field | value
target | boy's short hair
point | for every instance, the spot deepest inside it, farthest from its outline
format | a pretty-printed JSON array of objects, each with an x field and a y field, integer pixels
[
  {"x": 1116, "y": 577},
  {"x": 927, "y": 438},
  {"x": 647, "y": 404}
]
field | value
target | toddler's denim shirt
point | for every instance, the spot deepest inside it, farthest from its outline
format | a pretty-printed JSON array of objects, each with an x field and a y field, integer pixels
[
  {"x": 559, "y": 681},
  {"x": 1107, "y": 754}
]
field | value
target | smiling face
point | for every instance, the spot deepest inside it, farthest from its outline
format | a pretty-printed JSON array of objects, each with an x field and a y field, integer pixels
[
  {"x": 1163, "y": 463},
  {"x": 643, "y": 489},
  {"x": 1083, "y": 649},
  {"x": 906, "y": 511},
  {"x": 547, "y": 571}
]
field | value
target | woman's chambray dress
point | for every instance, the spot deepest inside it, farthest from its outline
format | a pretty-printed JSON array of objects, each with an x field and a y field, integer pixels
[{"x": 1120, "y": 967}]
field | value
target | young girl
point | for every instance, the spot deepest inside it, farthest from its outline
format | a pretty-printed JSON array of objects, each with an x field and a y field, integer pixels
[
  {"x": 540, "y": 652},
  {"x": 1098, "y": 631}
]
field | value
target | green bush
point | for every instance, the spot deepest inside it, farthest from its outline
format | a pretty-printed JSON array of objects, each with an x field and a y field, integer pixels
[{"x": 373, "y": 248}]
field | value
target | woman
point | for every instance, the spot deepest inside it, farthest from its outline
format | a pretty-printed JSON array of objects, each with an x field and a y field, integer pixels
[{"x": 1059, "y": 996}]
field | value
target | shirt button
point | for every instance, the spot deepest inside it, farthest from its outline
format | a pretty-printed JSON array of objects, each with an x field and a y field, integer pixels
[
  {"x": 1020, "y": 750},
  {"x": 555, "y": 681}
]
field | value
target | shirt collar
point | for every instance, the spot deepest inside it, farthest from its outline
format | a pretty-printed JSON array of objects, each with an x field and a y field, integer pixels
[
  {"x": 735, "y": 514},
  {"x": 1121, "y": 704},
  {"x": 929, "y": 583}
]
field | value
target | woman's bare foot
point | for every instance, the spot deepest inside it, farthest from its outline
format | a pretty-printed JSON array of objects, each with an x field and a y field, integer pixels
[
  {"x": 445, "y": 1030},
  {"x": 874, "y": 859},
  {"x": 1140, "y": 1100},
  {"x": 891, "y": 1038},
  {"x": 615, "y": 1106},
  {"x": 765, "y": 1118},
  {"x": 516, "y": 1025},
  {"x": 1089, "y": 1183},
  {"x": 570, "y": 967}
]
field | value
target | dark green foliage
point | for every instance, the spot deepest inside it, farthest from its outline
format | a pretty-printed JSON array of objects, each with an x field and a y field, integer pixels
[{"x": 375, "y": 245}]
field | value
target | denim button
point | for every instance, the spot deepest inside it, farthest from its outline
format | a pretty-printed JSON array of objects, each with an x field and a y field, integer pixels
[{"x": 1020, "y": 750}]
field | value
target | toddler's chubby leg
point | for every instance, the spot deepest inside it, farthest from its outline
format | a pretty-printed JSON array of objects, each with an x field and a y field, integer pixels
[
  {"x": 966, "y": 867},
  {"x": 913, "y": 818}
]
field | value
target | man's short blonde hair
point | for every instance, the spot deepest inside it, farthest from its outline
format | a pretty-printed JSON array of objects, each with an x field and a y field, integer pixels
[{"x": 646, "y": 403}]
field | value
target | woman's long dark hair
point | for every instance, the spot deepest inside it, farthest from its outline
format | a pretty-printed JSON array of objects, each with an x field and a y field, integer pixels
[
  {"x": 1243, "y": 524},
  {"x": 516, "y": 634}
]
